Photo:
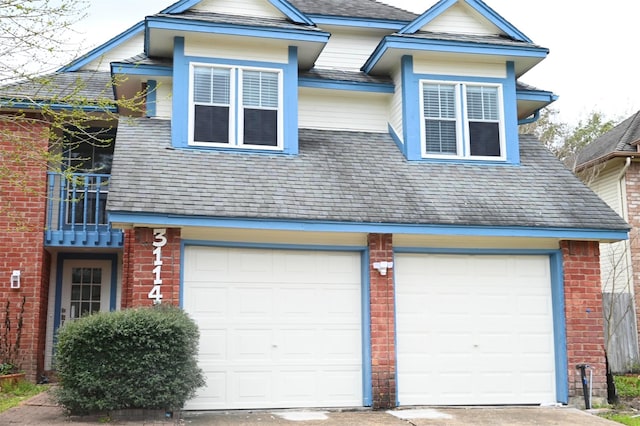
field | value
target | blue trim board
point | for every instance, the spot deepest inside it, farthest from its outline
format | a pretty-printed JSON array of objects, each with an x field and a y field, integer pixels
[
  {"x": 364, "y": 294},
  {"x": 411, "y": 114},
  {"x": 180, "y": 98},
  {"x": 450, "y": 46},
  {"x": 367, "y": 227},
  {"x": 557, "y": 302},
  {"x": 103, "y": 48},
  {"x": 56, "y": 106},
  {"x": 141, "y": 69},
  {"x": 113, "y": 257},
  {"x": 484, "y": 10},
  {"x": 536, "y": 96},
  {"x": 510, "y": 121},
  {"x": 173, "y": 24},
  {"x": 356, "y": 86},
  {"x": 290, "y": 142}
]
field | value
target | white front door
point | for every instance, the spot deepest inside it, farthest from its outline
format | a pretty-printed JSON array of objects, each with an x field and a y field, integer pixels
[{"x": 86, "y": 288}]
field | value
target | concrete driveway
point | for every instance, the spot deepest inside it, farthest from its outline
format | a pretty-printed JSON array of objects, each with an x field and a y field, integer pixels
[{"x": 476, "y": 416}]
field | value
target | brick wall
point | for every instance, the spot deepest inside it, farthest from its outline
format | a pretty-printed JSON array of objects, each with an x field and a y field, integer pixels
[
  {"x": 583, "y": 309},
  {"x": 22, "y": 220},
  {"x": 139, "y": 275},
  {"x": 383, "y": 363},
  {"x": 632, "y": 180}
]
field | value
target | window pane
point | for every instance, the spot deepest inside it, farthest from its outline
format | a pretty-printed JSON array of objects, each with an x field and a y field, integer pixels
[
  {"x": 482, "y": 103},
  {"x": 211, "y": 124},
  {"x": 261, "y": 127},
  {"x": 485, "y": 139},
  {"x": 439, "y": 101},
  {"x": 260, "y": 89},
  {"x": 441, "y": 137},
  {"x": 211, "y": 85},
  {"x": 202, "y": 84}
]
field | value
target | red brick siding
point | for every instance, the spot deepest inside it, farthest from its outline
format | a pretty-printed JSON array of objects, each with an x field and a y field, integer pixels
[
  {"x": 383, "y": 362},
  {"x": 23, "y": 188},
  {"x": 583, "y": 309},
  {"x": 633, "y": 210},
  {"x": 138, "y": 274}
]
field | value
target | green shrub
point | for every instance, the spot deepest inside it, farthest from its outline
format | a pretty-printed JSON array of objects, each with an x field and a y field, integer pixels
[
  {"x": 136, "y": 358},
  {"x": 627, "y": 386}
]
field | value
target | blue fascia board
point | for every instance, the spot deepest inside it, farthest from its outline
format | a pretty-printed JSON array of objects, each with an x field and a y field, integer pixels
[
  {"x": 450, "y": 46},
  {"x": 365, "y": 227},
  {"x": 39, "y": 104},
  {"x": 103, "y": 48},
  {"x": 536, "y": 96},
  {"x": 141, "y": 69},
  {"x": 478, "y": 6},
  {"x": 357, "y": 86},
  {"x": 285, "y": 7},
  {"x": 164, "y": 23},
  {"x": 341, "y": 21}
]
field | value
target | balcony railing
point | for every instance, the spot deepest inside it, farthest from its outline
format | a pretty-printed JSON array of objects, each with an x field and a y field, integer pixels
[{"x": 76, "y": 214}]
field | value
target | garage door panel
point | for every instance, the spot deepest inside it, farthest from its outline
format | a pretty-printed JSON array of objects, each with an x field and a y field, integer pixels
[
  {"x": 292, "y": 337},
  {"x": 488, "y": 323}
]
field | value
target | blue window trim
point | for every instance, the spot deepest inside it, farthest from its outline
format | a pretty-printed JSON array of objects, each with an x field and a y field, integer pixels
[
  {"x": 153, "y": 219},
  {"x": 285, "y": 7},
  {"x": 103, "y": 48},
  {"x": 181, "y": 107},
  {"x": 478, "y": 6},
  {"x": 152, "y": 87},
  {"x": 355, "y": 86},
  {"x": 364, "y": 294},
  {"x": 173, "y": 24},
  {"x": 113, "y": 257},
  {"x": 449, "y": 46},
  {"x": 412, "y": 116},
  {"x": 557, "y": 302}
]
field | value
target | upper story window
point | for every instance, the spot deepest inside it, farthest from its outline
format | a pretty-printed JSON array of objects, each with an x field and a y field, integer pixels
[
  {"x": 462, "y": 120},
  {"x": 236, "y": 107}
]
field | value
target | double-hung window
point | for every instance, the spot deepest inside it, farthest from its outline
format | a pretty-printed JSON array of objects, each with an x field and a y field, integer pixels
[
  {"x": 462, "y": 120},
  {"x": 236, "y": 107}
]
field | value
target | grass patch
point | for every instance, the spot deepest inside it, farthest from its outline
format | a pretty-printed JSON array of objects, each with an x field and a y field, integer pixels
[
  {"x": 13, "y": 395},
  {"x": 625, "y": 419},
  {"x": 627, "y": 386}
]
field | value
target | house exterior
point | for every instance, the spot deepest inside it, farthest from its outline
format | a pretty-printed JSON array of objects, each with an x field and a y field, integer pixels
[
  {"x": 336, "y": 192},
  {"x": 609, "y": 166}
]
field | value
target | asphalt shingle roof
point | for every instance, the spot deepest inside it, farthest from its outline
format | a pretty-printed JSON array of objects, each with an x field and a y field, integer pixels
[
  {"x": 353, "y": 8},
  {"x": 252, "y": 21},
  {"x": 621, "y": 139},
  {"x": 80, "y": 85},
  {"x": 346, "y": 177}
]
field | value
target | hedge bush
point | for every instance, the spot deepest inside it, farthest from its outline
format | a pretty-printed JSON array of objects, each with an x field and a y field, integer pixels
[{"x": 136, "y": 358}]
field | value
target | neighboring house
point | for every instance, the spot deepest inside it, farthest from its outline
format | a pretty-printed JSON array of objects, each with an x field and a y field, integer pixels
[
  {"x": 610, "y": 167},
  {"x": 337, "y": 193}
]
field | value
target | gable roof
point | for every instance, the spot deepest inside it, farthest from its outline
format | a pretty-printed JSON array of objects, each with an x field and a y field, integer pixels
[
  {"x": 479, "y": 6},
  {"x": 347, "y": 177},
  {"x": 369, "y": 9},
  {"x": 619, "y": 141}
]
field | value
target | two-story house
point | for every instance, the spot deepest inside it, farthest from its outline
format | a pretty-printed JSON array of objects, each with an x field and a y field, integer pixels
[{"x": 337, "y": 193}]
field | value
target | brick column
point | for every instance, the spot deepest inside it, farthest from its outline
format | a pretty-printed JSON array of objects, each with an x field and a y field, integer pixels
[
  {"x": 632, "y": 180},
  {"x": 139, "y": 264},
  {"x": 383, "y": 362},
  {"x": 583, "y": 309},
  {"x": 23, "y": 193}
]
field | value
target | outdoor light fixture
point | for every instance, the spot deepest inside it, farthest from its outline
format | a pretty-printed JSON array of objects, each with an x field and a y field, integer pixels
[
  {"x": 15, "y": 279},
  {"x": 382, "y": 267}
]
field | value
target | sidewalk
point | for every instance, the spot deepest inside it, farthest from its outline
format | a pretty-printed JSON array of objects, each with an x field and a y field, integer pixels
[{"x": 41, "y": 410}]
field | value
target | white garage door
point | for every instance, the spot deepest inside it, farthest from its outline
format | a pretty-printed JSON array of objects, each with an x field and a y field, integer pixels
[
  {"x": 474, "y": 330},
  {"x": 278, "y": 328}
]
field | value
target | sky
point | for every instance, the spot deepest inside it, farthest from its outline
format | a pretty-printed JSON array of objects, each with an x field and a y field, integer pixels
[{"x": 590, "y": 65}]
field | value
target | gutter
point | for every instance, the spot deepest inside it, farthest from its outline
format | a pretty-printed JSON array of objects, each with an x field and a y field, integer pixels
[{"x": 530, "y": 119}]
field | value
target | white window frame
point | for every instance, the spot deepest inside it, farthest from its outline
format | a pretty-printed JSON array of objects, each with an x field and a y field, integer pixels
[
  {"x": 236, "y": 108},
  {"x": 463, "y": 137}
]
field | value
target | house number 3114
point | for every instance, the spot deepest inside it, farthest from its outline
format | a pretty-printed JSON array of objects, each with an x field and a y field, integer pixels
[{"x": 159, "y": 241}]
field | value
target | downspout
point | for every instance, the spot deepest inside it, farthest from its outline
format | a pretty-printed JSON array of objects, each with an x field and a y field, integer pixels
[
  {"x": 530, "y": 119},
  {"x": 627, "y": 164}
]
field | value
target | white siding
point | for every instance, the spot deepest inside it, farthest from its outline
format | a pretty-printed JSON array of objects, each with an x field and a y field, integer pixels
[
  {"x": 164, "y": 98},
  {"x": 349, "y": 49},
  {"x": 615, "y": 258},
  {"x": 233, "y": 48},
  {"x": 462, "y": 20},
  {"x": 343, "y": 110},
  {"x": 396, "y": 106},
  {"x": 260, "y": 8},
  {"x": 132, "y": 47},
  {"x": 471, "y": 69}
]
